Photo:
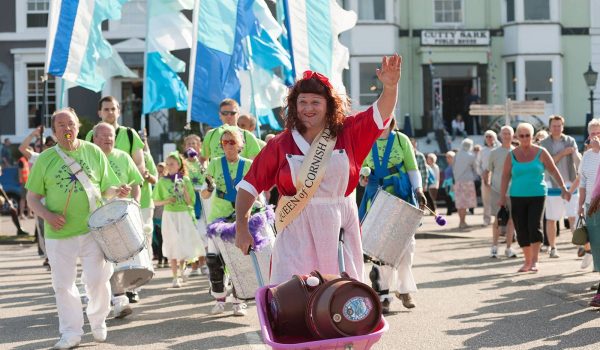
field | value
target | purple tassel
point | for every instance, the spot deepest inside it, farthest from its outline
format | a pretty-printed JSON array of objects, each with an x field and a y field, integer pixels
[
  {"x": 440, "y": 220},
  {"x": 226, "y": 230}
]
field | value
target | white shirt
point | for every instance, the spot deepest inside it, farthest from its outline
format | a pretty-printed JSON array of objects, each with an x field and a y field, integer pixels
[{"x": 588, "y": 170}]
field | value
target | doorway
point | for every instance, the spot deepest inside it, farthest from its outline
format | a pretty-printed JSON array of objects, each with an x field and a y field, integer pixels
[
  {"x": 454, "y": 93},
  {"x": 131, "y": 103}
]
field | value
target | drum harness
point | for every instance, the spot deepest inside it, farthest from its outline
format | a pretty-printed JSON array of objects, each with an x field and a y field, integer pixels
[
  {"x": 377, "y": 179},
  {"x": 77, "y": 170}
]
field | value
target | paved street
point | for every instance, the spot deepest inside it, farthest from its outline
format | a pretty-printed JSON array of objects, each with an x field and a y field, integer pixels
[{"x": 465, "y": 301}]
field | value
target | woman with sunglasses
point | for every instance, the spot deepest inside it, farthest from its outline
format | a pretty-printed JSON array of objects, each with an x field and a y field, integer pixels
[
  {"x": 524, "y": 170},
  {"x": 315, "y": 196},
  {"x": 222, "y": 176}
]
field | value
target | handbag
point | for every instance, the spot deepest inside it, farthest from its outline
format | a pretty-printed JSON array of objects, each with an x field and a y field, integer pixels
[{"x": 580, "y": 235}]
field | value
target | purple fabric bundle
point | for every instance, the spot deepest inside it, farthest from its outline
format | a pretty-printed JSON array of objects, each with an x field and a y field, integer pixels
[{"x": 226, "y": 230}]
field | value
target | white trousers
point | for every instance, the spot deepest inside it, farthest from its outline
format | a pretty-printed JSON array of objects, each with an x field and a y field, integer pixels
[
  {"x": 399, "y": 279},
  {"x": 63, "y": 254},
  {"x": 486, "y": 198},
  {"x": 148, "y": 225}
]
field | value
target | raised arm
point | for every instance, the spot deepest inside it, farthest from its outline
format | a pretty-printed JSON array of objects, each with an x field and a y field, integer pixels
[
  {"x": 389, "y": 75},
  {"x": 23, "y": 147}
]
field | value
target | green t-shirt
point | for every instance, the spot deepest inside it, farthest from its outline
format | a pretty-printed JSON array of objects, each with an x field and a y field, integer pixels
[
  {"x": 122, "y": 164},
  {"x": 401, "y": 152},
  {"x": 122, "y": 140},
  {"x": 221, "y": 208},
  {"x": 52, "y": 178},
  {"x": 197, "y": 173},
  {"x": 146, "y": 197},
  {"x": 211, "y": 147},
  {"x": 165, "y": 189}
]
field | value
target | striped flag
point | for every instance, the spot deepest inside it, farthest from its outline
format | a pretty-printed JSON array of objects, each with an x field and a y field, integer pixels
[
  {"x": 167, "y": 30},
  {"x": 312, "y": 29},
  {"x": 229, "y": 38},
  {"x": 76, "y": 50}
]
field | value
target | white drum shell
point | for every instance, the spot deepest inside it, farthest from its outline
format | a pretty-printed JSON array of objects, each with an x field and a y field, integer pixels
[
  {"x": 389, "y": 227},
  {"x": 118, "y": 229},
  {"x": 132, "y": 273},
  {"x": 241, "y": 268}
]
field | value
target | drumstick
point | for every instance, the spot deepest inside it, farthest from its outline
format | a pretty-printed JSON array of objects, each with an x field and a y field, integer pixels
[{"x": 69, "y": 198}]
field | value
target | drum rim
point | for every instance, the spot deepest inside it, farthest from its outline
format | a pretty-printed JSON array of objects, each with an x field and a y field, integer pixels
[{"x": 112, "y": 221}]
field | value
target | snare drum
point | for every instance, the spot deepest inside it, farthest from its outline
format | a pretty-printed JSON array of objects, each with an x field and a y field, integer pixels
[
  {"x": 388, "y": 228},
  {"x": 132, "y": 273},
  {"x": 118, "y": 229}
]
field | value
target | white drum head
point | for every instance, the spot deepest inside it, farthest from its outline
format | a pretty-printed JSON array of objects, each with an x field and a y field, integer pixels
[{"x": 109, "y": 213}]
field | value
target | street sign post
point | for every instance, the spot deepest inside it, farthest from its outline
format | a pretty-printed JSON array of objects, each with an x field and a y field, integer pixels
[{"x": 509, "y": 109}]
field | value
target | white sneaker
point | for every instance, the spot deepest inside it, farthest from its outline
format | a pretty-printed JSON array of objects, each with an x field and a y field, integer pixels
[
  {"x": 99, "y": 334},
  {"x": 240, "y": 309},
  {"x": 544, "y": 249},
  {"x": 177, "y": 282},
  {"x": 587, "y": 260},
  {"x": 554, "y": 253},
  {"x": 494, "y": 252},
  {"x": 204, "y": 270},
  {"x": 121, "y": 307},
  {"x": 509, "y": 253},
  {"x": 67, "y": 342},
  {"x": 218, "y": 308}
]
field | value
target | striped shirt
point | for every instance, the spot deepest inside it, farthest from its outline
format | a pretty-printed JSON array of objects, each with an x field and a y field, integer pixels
[{"x": 588, "y": 170}]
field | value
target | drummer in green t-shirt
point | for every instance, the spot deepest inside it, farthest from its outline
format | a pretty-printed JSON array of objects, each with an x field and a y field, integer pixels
[
  {"x": 66, "y": 212},
  {"x": 125, "y": 169},
  {"x": 223, "y": 174},
  {"x": 126, "y": 139},
  {"x": 229, "y": 111}
]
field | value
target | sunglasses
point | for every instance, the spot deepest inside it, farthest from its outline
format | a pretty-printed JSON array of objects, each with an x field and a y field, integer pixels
[
  {"x": 228, "y": 112},
  {"x": 524, "y": 136},
  {"x": 228, "y": 142}
]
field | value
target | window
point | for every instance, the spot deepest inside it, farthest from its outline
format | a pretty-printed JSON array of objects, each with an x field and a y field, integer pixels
[
  {"x": 370, "y": 86},
  {"x": 35, "y": 94},
  {"x": 448, "y": 11},
  {"x": 511, "y": 81},
  {"x": 371, "y": 10},
  {"x": 510, "y": 10},
  {"x": 536, "y": 10},
  {"x": 37, "y": 13},
  {"x": 538, "y": 80}
]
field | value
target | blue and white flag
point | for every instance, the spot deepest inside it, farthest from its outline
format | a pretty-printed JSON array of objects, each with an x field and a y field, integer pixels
[
  {"x": 76, "y": 50},
  {"x": 167, "y": 30},
  {"x": 231, "y": 36},
  {"x": 311, "y": 36}
]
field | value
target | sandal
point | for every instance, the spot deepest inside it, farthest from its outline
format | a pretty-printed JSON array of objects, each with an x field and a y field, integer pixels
[{"x": 524, "y": 269}]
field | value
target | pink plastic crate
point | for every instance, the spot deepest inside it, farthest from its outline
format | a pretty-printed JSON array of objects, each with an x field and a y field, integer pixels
[{"x": 363, "y": 342}]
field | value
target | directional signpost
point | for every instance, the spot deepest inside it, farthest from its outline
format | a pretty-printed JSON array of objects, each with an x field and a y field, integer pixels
[{"x": 509, "y": 109}]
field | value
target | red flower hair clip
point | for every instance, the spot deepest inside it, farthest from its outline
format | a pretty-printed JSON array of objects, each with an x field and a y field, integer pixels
[{"x": 320, "y": 77}]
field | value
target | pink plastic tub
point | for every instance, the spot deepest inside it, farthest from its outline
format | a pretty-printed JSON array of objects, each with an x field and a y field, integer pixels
[{"x": 363, "y": 342}]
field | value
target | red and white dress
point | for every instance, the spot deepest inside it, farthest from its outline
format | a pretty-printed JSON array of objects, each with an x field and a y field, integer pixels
[{"x": 310, "y": 241}]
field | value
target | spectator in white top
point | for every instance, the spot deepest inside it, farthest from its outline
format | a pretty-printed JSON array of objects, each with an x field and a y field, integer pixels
[
  {"x": 588, "y": 171},
  {"x": 464, "y": 181},
  {"x": 458, "y": 127},
  {"x": 435, "y": 184},
  {"x": 483, "y": 157}
]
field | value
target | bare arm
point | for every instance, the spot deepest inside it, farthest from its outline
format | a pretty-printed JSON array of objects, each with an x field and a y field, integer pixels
[
  {"x": 138, "y": 159},
  {"x": 243, "y": 204},
  {"x": 389, "y": 75},
  {"x": 565, "y": 152},
  {"x": 136, "y": 193},
  {"x": 165, "y": 202},
  {"x": 34, "y": 201},
  {"x": 506, "y": 175},
  {"x": 27, "y": 141},
  {"x": 582, "y": 193}
]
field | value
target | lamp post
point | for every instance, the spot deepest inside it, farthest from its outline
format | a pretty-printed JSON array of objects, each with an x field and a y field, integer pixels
[{"x": 591, "y": 77}]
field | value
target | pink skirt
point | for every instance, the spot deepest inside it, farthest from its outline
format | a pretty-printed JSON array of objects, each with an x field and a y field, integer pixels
[{"x": 465, "y": 195}]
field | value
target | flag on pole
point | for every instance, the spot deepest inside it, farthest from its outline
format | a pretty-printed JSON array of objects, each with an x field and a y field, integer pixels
[
  {"x": 76, "y": 50},
  {"x": 230, "y": 36},
  {"x": 311, "y": 34},
  {"x": 167, "y": 30}
]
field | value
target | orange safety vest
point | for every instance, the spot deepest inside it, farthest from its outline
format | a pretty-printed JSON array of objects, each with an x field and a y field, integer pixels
[{"x": 24, "y": 170}]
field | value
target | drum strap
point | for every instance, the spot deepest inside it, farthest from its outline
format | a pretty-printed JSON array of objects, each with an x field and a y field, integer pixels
[
  {"x": 310, "y": 176},
  {"x": 231, "y": 192},
  {"x": 77, "y": 170}
]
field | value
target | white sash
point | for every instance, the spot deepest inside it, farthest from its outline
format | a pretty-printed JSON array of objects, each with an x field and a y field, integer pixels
[
  {"x": 90, "y": 190},
  {"x": 311, "y": 173}
]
